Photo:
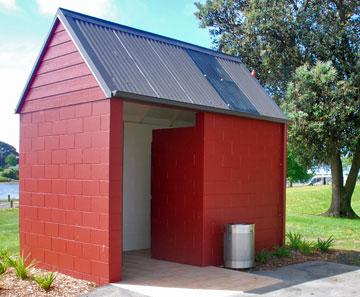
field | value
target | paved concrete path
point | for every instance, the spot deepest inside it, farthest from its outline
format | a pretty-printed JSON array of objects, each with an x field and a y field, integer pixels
[{"x": 320, "y": 279}]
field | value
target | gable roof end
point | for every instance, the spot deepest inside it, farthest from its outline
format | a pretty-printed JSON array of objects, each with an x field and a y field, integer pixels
[{"x": 138, "y": 65}]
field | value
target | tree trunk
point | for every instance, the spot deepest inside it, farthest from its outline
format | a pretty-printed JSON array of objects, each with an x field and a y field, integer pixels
[
  {"x": 341, "y": 195},
  {"x": 290, "y": 184},
  {"x": 337, "y": 183},
  {"x": 345, "y": 207}
]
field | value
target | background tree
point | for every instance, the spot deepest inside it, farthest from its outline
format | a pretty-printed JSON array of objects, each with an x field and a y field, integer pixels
[
  {"x": 11, "y": 173},
  {"x": 295, "y": 171},
  {"x": 275, "y": 37},
  {"x": 11, "y": 160},
  {"x": 326, "y": 121},
  {"x": 5, "y": 150}
]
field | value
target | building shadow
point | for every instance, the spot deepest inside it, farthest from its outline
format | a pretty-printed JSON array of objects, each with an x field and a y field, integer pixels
[{"x": 296, "y": 274}]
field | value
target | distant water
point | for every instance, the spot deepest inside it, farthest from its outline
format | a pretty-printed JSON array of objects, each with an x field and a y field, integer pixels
[{"x": 9, "y": 188}]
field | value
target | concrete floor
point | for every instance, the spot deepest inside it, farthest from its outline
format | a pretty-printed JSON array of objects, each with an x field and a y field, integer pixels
[{"x": 144, "y": 276}]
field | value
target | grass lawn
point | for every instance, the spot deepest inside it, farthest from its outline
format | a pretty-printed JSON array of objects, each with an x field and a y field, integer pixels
[
  {"x": 9, "y": 230},
  {"x": 304, "y": 204}
]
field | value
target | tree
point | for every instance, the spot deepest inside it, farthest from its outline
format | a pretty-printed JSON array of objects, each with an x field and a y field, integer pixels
[
  {"x": 325, "y": 114},
  {"x": 277, "y": 37},
  {"x": 11, "y": 160},
  {"x": 11, "y": 173},
  {"x": 295, "y": 171},
  {"x": 5, "y": 150}
]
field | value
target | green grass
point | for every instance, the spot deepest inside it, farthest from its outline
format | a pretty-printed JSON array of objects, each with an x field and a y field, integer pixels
[
  {"x": 304, "y": 204},
  {"x": 9, "y": 230}
]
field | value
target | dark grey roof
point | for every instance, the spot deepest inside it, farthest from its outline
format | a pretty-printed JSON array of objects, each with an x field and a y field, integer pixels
[{"x": 138, "y": 65}]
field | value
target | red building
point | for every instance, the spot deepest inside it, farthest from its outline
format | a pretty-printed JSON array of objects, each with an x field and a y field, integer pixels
[{"x": 131, "y": 140}]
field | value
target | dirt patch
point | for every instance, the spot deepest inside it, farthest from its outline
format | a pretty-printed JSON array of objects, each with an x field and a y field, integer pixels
[
  {"x": 349, "y": 257},
  {"x": 64, "y": 286},
  {"x": 339, "y": 256},
  {"x": 296, "y": 257}
]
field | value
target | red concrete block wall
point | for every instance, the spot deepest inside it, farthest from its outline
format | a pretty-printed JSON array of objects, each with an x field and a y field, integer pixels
[
  {"x": 244, "y": 167},
  {"x": 226, "y": 169},
  {"x": 70, "y": 196},
  {"x": 67, "y": 190},
  {"x": 177, "y": 194}
]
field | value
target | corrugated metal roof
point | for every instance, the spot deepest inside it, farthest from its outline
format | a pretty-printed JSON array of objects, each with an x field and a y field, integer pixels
[
  {"x": 251, "y": 88},
  {"x": 143, "y": 66},
  {"x": 222, "y": 82}
]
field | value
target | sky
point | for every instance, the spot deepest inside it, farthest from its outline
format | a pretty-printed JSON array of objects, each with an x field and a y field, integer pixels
[{"x": 24, "y": 25}]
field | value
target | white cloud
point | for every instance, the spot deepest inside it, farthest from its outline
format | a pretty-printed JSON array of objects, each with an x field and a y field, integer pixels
[
  {"x": 16, "y": 60},
  {"x": 8, "y": 4},
  {"x": 98, "y": 8}
]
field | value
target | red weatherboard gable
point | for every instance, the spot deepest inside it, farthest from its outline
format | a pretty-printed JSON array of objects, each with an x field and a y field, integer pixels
[{"x": 59, "y": 39}]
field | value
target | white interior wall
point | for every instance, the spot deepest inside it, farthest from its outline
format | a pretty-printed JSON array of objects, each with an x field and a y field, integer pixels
[{"x": 136, "y": 186}]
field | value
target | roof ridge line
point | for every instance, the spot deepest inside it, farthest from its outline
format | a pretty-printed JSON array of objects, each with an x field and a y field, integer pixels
[{"x": 146, "y": 34}]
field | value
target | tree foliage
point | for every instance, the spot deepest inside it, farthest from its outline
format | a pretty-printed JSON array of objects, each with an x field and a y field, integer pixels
[
  {"x": 324, "y": 112},
  {"x": 277, "y": 36},
  {"x": 11, "y": 160},
  {"x": 10, "y": 173},
  {"x": 295, "y": 171},
  {"x": 5, "y": 150}
]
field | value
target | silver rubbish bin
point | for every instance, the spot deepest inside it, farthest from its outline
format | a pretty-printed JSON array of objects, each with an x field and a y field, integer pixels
[{"x": 239, "y": 245}]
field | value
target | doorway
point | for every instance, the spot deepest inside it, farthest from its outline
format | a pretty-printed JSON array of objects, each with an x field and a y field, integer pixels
[{"x": 139, "y": 123}]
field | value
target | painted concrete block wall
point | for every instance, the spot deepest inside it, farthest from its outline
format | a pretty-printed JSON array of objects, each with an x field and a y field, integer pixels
[
  {"x": 226, "y": 169},
  {"x": 244, "y": 165},
  {"x": 177, "y": 194},
  {"x": 66, "y": 190},
  {"x": 70, "y": 206}
]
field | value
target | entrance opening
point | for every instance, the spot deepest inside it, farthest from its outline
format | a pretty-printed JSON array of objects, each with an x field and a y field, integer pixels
[{"x": 139, "y": 122}]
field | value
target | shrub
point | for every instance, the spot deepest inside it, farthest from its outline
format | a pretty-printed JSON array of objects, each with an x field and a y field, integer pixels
[
  {"x": 307, "y": 247},
  {"x": 11, "y": 173},
  {"x": 22, "y": 270},
  {"x": 263, "y": 256},
  {"x": 281, "y": 252},
  {"x": 298, "y": 243},
  {"x": 45, "y": 281},
  {"x": 4, "y": 254},
  {"x": 3, "y": 267},
  {"x": 294, "y": 240},
  {"x": 4, "y": 179},
  {"x": 325, "y": 245}
]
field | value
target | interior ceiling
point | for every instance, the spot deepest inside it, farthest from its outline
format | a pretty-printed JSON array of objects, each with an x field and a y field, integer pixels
[{"x": 158, "y": 116}]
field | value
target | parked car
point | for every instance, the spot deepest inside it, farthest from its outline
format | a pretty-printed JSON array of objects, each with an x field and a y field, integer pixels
[{"x": 320, "y": 180}]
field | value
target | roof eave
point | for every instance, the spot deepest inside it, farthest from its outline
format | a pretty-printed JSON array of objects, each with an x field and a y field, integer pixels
[{"x": 162, "y": 101}]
